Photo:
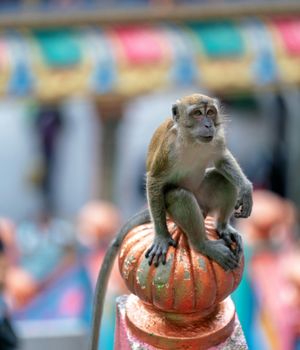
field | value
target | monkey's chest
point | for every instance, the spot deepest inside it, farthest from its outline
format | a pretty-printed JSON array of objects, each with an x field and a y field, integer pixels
[
  {"x": 189, "y": 173},
  {"x": 191, "y": 181}
]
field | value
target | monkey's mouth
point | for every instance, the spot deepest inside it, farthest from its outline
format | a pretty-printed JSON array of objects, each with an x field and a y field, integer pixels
[{"x": 206, "y": 138}]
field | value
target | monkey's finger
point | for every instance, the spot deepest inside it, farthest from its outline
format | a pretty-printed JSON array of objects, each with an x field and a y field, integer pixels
[
  {"x": 232, "y": 261},
  {"x": 225, "y": 267},
  {"x": 238, "y": 204},
  {"x": 229, "y": 261},
  {"x": 229, "y": 264},
  {"x": 239, "y": 246},
  {"x": 245, "y": 208},
  {"x": 232, "y": 256},
  {"x": 239, "y": 252},
  {"x": 244, "y": 213},
  {"x": 233, "y": 264},
  {"x": 157, "y": 257},
  {"x": 238, "y": 214},
  {"x": 236, "y": 237},
  {"x": 164, "y": 257},
  {"x": 151, "y": 257},
  {"x": 152, "y": 253},
  {"x": 149, "y": 251},
  {"x": 248, "y": 210},
  {"x": 228, "y": 241},
  {"x": 172, "y": 243}
]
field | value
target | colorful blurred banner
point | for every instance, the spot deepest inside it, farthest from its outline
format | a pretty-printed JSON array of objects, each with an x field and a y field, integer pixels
[
  {"x": 5, "y": 68},
  {"x": 183, "y": 69},
  {"x": 129, "y": 60},
  {"x": 143, "y": 58},
  {"x": 219, "y": 39},
  {"x": 286, "y": 37},
  {"x": 103, "y": 74},
  {"x": 59, "y": 47},
  {"x": 289, "y": 31},
  {"x": 259, "y": 40},
  {"x": 61, "y": 68},
  {"x": 21, "y": 79},
  {"x": 222, "y": 48}
]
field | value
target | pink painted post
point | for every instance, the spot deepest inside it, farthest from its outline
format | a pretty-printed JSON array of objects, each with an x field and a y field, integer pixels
[{"x": 125, "y": 340}]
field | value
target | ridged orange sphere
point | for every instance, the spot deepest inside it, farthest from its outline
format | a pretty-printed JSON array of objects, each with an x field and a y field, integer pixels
[{"x": 188, "y": 283}]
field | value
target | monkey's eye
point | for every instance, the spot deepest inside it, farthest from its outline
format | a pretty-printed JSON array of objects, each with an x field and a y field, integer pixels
[
  {"x": 211, "y": 113},
  {"x": 197, "y": 113}
]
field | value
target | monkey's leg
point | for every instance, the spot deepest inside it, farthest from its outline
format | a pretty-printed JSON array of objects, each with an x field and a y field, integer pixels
[
  {"x": 184, "y": 209},
  {"x": 157, "y": 206},
  {"x": 217, "y": 194}
]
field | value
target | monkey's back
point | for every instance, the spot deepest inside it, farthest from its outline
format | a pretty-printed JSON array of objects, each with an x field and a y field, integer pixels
[{"x": 158, "y": 151}]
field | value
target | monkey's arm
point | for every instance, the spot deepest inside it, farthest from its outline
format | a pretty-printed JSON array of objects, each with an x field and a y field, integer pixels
[
  {"x": 157, "y": 207},
  {"x": 103, "y": 277},
  {"x": 230, "y": 169}
]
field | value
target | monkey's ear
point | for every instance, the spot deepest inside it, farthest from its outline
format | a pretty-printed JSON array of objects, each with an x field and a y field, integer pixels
[
  {"x": 216, "y": 103},
  {"x": 175, "y": 112}
]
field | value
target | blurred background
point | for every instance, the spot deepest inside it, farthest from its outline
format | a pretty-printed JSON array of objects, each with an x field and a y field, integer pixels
[{"x": 83, "y": 85}]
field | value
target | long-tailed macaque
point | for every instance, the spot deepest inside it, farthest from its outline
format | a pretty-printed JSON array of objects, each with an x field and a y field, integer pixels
[{"x": 190, "y": 173}]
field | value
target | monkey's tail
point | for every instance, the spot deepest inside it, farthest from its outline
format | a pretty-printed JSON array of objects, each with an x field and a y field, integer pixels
[{"x": 103, "y": 277}]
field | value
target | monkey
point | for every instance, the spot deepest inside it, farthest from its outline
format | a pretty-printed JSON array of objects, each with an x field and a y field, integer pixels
[{"x": 190, "y": 174}]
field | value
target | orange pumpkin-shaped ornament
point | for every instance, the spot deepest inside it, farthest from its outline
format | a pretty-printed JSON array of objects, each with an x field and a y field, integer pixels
[{"x": 182, "y": 304}]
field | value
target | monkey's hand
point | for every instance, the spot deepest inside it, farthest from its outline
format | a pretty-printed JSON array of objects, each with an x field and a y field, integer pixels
[
  {"x": 220, "y": 253},
  {"x": 158, "y": 250},
  {"x": 232, "y": 239},
  {"x": 244, "y": 202}
]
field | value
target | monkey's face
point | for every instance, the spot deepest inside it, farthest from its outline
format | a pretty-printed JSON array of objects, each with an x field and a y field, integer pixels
[{"x": 198, "y": 119}]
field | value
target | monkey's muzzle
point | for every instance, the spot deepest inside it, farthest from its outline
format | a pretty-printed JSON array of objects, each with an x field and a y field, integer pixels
[{"x": 206, "y": 139}]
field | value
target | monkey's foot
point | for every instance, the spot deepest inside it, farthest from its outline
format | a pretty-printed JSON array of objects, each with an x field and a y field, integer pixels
[
  {"x": 232, "y": 239},
  {"x": 220, "y": 253},
  {"x": 158, "y": 251}
]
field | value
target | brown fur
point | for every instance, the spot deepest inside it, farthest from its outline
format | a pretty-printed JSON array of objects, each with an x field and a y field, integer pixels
[
  {"x": 197, "y": 98},
  {"x": 162, "y": 142},
  {"x": 181, "y": 151},
  {"x": 158, "y": 160}
]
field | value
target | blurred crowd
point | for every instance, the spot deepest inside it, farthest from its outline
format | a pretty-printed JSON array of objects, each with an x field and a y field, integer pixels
[
  {"x": 49, "y": 269},
  {"x": 78, "y": 106}
]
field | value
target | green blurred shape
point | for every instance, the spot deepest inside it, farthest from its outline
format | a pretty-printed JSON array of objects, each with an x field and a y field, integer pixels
[
  {"x": 219, "y": 39},
  {"x": 59, "y": 47},
  {"x": 244, "y": 299}
]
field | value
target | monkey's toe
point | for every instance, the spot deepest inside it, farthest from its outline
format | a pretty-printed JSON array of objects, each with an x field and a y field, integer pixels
[
  {"x": 243, "y": 214},
  {"x": 151, "y": 253},
  {"x": 154, "y": 254},
  {"x": 172, "y": 243},
  {"x": 157, "y": 257},
  {"x": 157, "y": 253},
  {"x": 243, "y": 209},
  {"x": 221, "y": 253},
  {"x": 229, "y": 263},
  {"x": 234, "y": 241}
]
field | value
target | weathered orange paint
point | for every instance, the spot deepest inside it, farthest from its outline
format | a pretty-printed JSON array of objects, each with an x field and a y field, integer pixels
[
  {"x": 189, "y": 282},
  {"x": 155, "y": 328},
  {"x": 182, "y": 302}
]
